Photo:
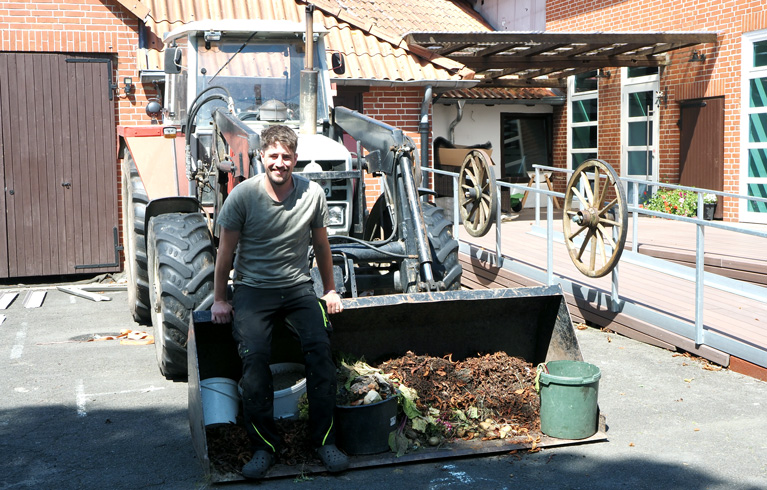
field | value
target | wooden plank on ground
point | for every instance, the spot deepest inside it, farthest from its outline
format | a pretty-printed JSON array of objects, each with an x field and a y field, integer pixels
[
  {"x": 7, "y": 299},
  {"x": 34, "y": 299}
]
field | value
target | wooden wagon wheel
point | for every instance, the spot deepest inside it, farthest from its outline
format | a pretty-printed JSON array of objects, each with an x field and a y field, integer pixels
[
  {"x": 477, "y": 193},
  {"x": 595, "y": 202}
]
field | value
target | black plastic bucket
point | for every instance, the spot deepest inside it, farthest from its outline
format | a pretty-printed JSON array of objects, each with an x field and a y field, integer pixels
[{"x": 365, "y": 429}]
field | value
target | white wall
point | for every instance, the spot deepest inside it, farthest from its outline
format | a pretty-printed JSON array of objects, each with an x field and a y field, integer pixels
[
  {"x": 480, "y": 123},
  {"x": 513, "y": 15}
]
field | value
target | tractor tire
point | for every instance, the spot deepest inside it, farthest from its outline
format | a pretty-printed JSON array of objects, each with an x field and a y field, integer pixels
[
  {"x": 444, "y": 248},
  {"x": 134, "y": 200},
  {"x": 181, "y": 258}
]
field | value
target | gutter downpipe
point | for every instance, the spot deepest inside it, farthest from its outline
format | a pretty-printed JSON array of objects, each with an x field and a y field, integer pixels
[
  {"x": 423, "y": 125},
  {"x": 451, "y": 131}
]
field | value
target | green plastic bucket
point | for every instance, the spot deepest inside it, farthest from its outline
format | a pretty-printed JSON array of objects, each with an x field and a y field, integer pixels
[{"x": 569, "y": 391}]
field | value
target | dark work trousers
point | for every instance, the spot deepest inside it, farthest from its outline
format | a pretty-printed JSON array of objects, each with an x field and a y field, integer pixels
[{"x": 255, "y": 312}]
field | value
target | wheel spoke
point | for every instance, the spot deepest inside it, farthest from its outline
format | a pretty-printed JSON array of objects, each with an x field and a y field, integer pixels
[
  {"x": 580, "y": 197},
  {"x": 601, "y": 243},
  {"x": 604, "y": 187},
  {"x": 609, "y": 222},
  {"x": 573, "y": 235},
  {"x": 597, "y": 195},
  {"x": 585, "y": 243},
  {"x": 587, "y": 186},
  {"x": 606, "y": 235},
  {"x": 593, "y": 258},
  {"x": 608, "y": 206}
]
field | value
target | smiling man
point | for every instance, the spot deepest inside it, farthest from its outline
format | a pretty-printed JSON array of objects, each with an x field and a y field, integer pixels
[{"x": 269, "y": 221}]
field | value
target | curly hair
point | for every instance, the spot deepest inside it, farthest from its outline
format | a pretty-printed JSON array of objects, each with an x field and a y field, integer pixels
[{"x": 279, "y": 134}]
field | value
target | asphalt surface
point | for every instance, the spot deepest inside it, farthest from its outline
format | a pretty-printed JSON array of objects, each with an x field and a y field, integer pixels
[{"x": 78, "y": 414}]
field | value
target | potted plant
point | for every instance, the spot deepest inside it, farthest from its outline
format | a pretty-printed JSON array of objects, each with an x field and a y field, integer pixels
[{"x": 709, "y": 206}]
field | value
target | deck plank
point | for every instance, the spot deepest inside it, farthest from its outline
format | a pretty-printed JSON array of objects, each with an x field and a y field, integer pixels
[{"x": 734, "y": 255}]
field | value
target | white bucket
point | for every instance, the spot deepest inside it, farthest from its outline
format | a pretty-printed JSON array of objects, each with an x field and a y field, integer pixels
[
  {"x": 286, "y": 400},
  {"x": 220, "y": 401}
]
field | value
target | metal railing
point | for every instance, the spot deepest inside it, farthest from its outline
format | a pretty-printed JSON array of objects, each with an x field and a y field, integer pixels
[{"x": 700, "y": 277}]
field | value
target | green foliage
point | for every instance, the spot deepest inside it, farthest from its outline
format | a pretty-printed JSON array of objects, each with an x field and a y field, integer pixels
[{"x": 674, "y": 201}]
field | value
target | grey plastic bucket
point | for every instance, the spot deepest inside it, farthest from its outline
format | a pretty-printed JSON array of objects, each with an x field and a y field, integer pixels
[{"x": 569, "y": 392}]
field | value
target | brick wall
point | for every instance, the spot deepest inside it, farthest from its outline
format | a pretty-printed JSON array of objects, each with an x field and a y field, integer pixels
[
  {"x": 398, "y": 107},
  {"x": 85, "y": 26},
  {"x": 719, "y": 75}
]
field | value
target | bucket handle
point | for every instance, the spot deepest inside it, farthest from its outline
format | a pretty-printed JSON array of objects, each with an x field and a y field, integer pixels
[
  {"x": 541, "y": 368},
  {"x": 222, "y": 393}
]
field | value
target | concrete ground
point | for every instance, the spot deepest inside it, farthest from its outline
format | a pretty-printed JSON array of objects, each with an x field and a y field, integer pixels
[{"x": 77, "y": 414}]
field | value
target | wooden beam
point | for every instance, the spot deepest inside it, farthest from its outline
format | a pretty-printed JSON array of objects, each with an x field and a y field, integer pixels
[
  {"x": 560, "y": 62},
  {"x": 527, "y": 83},
  {"x": 536, "y": 38}
]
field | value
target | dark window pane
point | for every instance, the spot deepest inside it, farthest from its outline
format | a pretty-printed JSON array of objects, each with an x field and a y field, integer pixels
[
  {"x": 757, "y": 163},
  {"x": 639, "y": 103},
  {"x": 526, "y": 142},
  {"x": 642, "y": 71},
  {"x": 586, "y": 82},
  {"x": 757, "y": 131},
  {"x": 760, "y": 53},
  {"x": 759, "y": 92},
  {"x": 585, "y": 137},
  {"x": 638, "y": 134},
  {"x": 640, "y": 163},
  {"x": 579, "y": 158},
  {"x": 585, "y": 110},
  {"x": 757, "y": 190}
]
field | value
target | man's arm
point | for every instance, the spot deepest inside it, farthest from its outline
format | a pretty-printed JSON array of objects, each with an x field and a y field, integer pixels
[
  {"x": 325, "y": 265},
  {"x": 221, "y": 311}
]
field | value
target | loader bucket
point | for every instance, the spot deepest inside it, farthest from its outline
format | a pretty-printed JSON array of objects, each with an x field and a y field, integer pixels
[{"x": 530, "y": 323}]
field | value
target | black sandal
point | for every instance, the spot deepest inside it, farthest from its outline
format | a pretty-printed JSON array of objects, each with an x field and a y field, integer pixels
[
  {"x": 333, "y": 459},
  {"x": 257, "y": 467}
]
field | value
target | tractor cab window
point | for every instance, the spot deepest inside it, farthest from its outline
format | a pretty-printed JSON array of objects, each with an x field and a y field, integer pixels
[{"x": 262, "y": 77}]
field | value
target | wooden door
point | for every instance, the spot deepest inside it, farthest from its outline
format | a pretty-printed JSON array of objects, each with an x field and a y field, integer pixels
[
  {"x": 701, "y": 145},
  {"x": 59, "y": 166}
]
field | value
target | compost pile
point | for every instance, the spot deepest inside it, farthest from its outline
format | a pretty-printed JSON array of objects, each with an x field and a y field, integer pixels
[
  {"x": 486, "y": 397},
  {"x": 497, "y": 386}
]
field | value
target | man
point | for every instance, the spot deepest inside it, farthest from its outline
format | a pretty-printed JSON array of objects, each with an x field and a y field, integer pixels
[{"x": 270, "y": 220}]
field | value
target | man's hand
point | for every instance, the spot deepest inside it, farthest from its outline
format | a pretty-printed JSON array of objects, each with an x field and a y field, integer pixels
[
  {"x": 221, "y": 312},
  {"x": 333, "y": 302}
]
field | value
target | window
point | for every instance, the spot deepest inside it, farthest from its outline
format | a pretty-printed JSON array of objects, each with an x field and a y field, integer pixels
[
  {"x": 526, "y": 141},
  {"x": 582, "y": 118},
  {"x": 639, "y": 126},
  {"x": 754, "y": 127}
]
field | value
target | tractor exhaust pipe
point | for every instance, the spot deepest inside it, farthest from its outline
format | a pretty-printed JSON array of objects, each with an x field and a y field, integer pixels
[{"x": 309, "y": 77}]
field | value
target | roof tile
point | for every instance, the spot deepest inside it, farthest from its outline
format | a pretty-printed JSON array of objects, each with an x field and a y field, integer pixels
[{"x": 367, "y": 32}]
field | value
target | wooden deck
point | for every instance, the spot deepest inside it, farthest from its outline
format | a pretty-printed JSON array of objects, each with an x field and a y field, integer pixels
[{"x": 659, "y": 307}]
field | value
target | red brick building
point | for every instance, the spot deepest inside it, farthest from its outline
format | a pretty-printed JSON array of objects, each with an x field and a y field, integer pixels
[{"x": 707, "y": 114}]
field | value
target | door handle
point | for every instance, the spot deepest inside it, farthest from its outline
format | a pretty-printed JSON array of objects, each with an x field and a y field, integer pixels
[{"x": 68, "y": 185}]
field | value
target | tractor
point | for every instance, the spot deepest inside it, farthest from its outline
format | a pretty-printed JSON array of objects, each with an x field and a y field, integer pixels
[{"x": 396, "y": 265}]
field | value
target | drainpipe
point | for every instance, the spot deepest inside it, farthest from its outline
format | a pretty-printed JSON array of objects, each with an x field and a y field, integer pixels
[
  {"x": 451, "y": 132},
  {"x": 423, "y": 126}
]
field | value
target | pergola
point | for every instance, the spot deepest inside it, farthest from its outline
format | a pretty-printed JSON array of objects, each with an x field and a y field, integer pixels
[{"x": 546, "y": 59}]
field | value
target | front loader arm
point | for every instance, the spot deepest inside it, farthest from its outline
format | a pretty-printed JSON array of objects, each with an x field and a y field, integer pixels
[
  {"x": 241, "y": 144},
  {"x": 395, "y": 159}
]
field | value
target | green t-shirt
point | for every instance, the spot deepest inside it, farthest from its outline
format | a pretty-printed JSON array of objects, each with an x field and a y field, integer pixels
[{"x": 274, "y": 236}]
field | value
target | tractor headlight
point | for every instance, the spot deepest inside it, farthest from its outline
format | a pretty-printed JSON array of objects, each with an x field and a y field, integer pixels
[{"x": 336, "y": 214}]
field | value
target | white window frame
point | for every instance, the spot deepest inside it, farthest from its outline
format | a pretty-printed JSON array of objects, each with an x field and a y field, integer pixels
[
  {"x": 649, "y": 83},
  {"x": 572, "y": 97},
  {"x": 749, "y": 72}
]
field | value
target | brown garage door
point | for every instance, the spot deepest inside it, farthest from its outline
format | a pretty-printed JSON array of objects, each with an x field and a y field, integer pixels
[{"x": 57, "y": 166}]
